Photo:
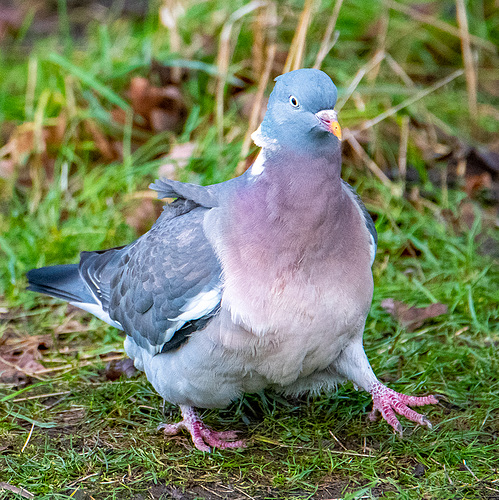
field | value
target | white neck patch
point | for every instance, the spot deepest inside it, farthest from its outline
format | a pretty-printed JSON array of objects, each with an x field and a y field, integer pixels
[
  {"x": 259, "y": 164},
  {"x": 263, "y": 142}
]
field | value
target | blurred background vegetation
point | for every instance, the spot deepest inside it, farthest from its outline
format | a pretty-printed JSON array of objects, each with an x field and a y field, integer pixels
[{"x": 98, "y": 98}]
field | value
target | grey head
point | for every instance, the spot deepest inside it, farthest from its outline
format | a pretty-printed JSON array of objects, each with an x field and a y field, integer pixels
[{"x": 300, "y": 115}]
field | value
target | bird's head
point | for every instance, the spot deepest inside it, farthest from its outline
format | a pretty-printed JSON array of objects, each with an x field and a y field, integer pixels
[{"x": 300, "y": 114}]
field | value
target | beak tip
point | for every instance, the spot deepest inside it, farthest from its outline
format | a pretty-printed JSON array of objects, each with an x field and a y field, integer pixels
[{"x": 335, "y": 129}]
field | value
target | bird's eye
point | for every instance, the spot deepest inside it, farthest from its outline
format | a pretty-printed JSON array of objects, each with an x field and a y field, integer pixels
[{"x": 294, "y": 101}]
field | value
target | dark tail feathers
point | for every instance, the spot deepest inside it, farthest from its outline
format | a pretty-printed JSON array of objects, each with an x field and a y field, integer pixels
[{"x": 63, "y": 282}]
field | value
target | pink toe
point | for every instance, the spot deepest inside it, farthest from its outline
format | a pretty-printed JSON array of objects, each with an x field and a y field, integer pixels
[
  {"x": 389, "y": 402},
  {"x": 202, "y": 436},
  {"x": 221, "y": 440}
]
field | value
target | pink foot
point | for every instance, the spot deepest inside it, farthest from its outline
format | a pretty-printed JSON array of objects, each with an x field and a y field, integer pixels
[
  {"x": 202, "y": 436},
  {"x": 386, "y": 400}
]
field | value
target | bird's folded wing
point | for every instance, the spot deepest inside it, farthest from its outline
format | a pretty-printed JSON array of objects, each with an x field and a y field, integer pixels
[
  {"x": 206, "y": 196},
  {"x": 164, "y": 285},
  {"x": 367, "y": 217}
]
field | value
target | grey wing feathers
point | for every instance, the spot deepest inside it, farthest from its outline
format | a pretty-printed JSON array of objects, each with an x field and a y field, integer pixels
[
  {"x": 367, "y": 217},
  {"x": 205, "y": 196},
  {"x": 202, "y": 195},
  {"x": 165, "y": 284}
]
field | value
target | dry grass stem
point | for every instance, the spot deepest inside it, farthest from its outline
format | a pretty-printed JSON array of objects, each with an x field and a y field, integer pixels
[
  {"x": 404, "y": 140},
  {"x": 338, "y": 441},
  {"x": 471, "y": 78},
  {"x": 370, "y": 164},
  {"x": 28, "y": 438},
  {"x": 41, "y": 396},
  {"x": 411, "y": 100},
  {"x": 258, "y": 48},
  {"x": 29, "y": 105},
  {"x": 380, "y": 42},
  {"x": 257, "y": 107},
  {"x": 399, "y": 71},
  {"x": 169, "y": 14},
  {"x": 376, "y": 59},
  {"x": 297, "y": 48},
  {"x": 223, "y": 59},
  {"x": 327, "y": 44},
  {"x": 441, "y": 25}
]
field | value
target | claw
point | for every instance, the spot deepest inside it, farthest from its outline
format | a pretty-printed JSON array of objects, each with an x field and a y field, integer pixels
[
  {"x": 202, "y": 436},
  {"x": 389, "y": 402}
]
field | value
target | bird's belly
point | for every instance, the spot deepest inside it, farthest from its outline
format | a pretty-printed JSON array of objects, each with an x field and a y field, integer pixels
[{"x": 300, "y": 330}]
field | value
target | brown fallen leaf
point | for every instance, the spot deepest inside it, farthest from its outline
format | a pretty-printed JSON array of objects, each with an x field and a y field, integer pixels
[
  {"x": 412, "y": 317},
  {"x": 120, "y": 368},
  {"x": 30, "y": 149},
  {"x": 162, "y": 108},
  {"x": 11, "y": 20},
  {"x": 19, "y": 357}
]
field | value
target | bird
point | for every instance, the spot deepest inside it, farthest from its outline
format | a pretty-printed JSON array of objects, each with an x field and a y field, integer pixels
[{"x": 260, "y": 282}]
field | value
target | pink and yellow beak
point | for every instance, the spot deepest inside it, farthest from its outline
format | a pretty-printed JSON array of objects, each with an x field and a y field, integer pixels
[{"x": 329, "y": 120}]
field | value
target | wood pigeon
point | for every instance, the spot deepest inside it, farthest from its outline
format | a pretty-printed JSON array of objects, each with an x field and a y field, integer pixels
[{"x": 263, "y": 281}]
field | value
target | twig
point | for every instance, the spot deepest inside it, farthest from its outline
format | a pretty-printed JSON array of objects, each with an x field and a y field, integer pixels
[
  {"x": 441, "y": 25},
  {"x": 210, "y": 491},
  {"x": 411, "y": 100},
  {"x": 297, "y": 48},
  {"x": 243, "y": 492},
  {"x": 327, "y": 44},
  {"x": 20, "y": 491},
  {"x": 376, "y": 59},
  {"x": 471, "y": 80},
  {"x": 370, "y": 164},
  {"x": 398, "y": 70},
  {"x": 469, "y": 470},
  {"x": 337, "y": 440}
]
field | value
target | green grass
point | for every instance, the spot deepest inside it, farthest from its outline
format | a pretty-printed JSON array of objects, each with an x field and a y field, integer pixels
[{"x": 83, "y": 436}]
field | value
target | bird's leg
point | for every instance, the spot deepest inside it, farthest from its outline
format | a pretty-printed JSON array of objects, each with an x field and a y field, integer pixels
[
  {"x": 202, "y": 436},
  {"x": 354, "y": 365}
]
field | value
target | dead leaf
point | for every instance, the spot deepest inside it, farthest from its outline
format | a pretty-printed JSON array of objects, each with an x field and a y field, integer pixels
[
  {"x": 31, "y": 149},
  {"x": 162, "y": 108},
  {"x": 19, "y": 357},
  {"x": 11, "y": 19},
  {"x": 120, "y": 368},
  {"x": 412, "y": 317}
]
